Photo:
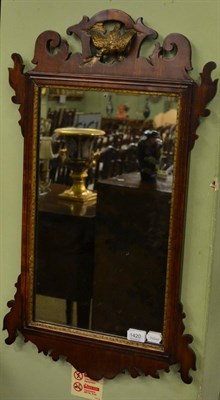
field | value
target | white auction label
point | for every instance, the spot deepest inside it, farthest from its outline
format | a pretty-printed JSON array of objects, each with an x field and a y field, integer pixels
[
  {"x": 136, "y": 335},
  {"x": 83, "y": 386},
  {"x": 154, "y": 337}
]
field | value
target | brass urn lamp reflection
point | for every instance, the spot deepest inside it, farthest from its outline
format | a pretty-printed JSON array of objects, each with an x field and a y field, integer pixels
[{"x": 79, "y": 155}]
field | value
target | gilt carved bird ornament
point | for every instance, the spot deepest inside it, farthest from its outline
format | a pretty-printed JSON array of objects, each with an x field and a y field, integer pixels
[{"x": 111, "y": 45}]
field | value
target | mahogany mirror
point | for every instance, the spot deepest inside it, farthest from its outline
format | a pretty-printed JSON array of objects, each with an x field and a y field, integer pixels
[{"x": 107, "y": 135}]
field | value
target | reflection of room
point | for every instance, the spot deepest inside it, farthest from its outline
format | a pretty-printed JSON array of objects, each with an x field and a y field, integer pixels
[
  {"x": 124, "y": 118},
  {"x": 128, "y": 121}
]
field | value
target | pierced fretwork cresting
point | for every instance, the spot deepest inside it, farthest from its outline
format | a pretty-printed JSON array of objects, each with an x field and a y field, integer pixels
[
  {"x": 52, "y": 56},
  {"x": 52, "y": 53}
]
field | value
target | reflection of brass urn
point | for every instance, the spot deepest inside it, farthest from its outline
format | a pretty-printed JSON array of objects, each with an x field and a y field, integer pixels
[{"x": 78, "y": 155}]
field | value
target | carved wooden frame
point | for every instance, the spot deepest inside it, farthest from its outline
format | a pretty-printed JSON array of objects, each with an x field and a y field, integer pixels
[{"x": 165, "y": 71}]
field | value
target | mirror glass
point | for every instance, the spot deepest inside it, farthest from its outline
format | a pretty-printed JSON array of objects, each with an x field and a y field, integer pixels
[{"x": 101, "y": 262}]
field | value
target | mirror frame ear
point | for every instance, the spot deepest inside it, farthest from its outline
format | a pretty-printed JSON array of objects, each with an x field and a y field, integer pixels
[{"x": 165, "y": 71}]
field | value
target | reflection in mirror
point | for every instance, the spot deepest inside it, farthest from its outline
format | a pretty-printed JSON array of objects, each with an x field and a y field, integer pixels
[{"x": 86, "y": 250}]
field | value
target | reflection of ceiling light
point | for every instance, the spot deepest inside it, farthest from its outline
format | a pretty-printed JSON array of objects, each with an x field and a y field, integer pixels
[{"x": 43, "y": 91}]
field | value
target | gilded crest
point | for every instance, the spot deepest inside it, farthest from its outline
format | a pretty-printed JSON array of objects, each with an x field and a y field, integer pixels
[{"x": 109, "y": 45}]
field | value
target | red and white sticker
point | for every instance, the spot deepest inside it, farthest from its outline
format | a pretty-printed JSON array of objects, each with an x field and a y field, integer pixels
[{"x": 83, "y": 386}]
